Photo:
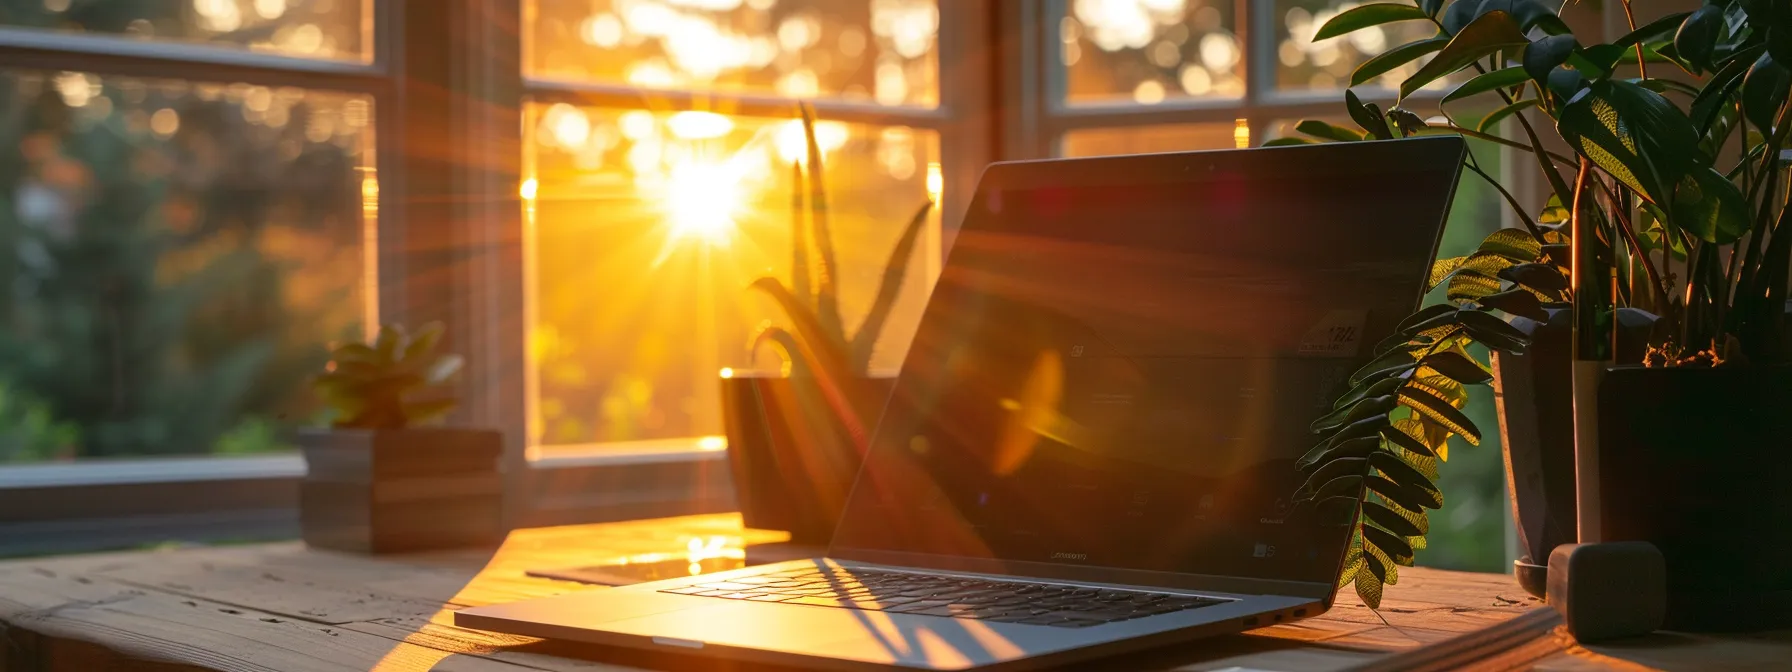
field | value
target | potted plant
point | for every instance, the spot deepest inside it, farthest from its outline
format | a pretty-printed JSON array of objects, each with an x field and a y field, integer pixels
[
  {"x": 376, "y": 482},
  {"x": 1664, "y": 248},
  {"x": 795, "y": 441}
]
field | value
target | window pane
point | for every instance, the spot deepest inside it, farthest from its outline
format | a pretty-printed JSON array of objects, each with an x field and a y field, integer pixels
[
  {"x": 649, "y": 228},
  {"x": 174, "y": 261},
  {"x": 874, "y": 50},
  {"x": 1147, "y": 139},
  {"x": 337, "y": 29},
  {"x": 1148, "y": 51},
  {"x": 1307, "y": 65}
]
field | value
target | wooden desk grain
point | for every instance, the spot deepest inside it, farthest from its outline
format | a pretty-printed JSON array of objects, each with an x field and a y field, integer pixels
[{"x": 289, "y": 608}]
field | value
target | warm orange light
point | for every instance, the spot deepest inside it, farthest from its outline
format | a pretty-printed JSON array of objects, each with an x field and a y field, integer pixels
[
  {"x": 529, "y": 189},
  {"x": 727, "y": 372},
  {"x": 936, "y": 181},
  {"x": 712, "y": 443},
  {"x": 1241, "y": 134}
]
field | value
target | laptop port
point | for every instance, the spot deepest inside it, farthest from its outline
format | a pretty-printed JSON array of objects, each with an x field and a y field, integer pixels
[{"x": 1278, "y": 618}]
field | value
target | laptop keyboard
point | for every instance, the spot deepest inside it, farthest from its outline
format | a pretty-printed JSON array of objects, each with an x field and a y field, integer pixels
[{"x": 956, "y": 597}]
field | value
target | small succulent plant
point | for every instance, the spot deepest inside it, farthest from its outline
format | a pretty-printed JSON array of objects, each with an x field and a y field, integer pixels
[{"x": 387, "y": 385}]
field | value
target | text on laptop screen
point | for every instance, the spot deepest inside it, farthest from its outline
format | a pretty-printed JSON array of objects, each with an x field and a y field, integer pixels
[{"x": 1122, "y": 374}]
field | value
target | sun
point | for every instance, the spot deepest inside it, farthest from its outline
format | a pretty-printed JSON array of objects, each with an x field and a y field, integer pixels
[{"x": 701, "y": 200}]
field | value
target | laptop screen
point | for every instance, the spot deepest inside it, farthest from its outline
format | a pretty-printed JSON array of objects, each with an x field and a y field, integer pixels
[{"x": 1121, "y": 358}]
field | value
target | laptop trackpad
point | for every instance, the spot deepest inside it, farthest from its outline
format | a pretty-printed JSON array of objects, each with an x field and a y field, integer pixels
[{"x": 870, "y": 636}]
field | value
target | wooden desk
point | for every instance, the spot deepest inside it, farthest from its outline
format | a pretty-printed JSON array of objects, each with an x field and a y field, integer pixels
[{"x": 285, "y": 607}]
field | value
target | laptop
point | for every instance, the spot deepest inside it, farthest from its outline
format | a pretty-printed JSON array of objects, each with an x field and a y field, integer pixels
[{"x": 1091, "y": 445}]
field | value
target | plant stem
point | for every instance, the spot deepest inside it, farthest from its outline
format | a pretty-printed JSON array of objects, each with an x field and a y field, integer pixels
[
  {"x": 1478, "y": 135},
  {"x": 1642, "y": 70},
  {"x": 1622, "y": 213},
  {"x": 1529, "y": 224}
]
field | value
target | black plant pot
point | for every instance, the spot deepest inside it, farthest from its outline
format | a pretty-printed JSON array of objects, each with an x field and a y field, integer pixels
[
  {"x": 792, "y": 457},
  {"x": 401, "y": 490},
  {"x": 1534, "y": 395},
  {"x": 1698, "y": 461}
]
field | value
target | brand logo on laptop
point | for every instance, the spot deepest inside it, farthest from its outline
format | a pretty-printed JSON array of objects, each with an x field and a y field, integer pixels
[{"x": 1060, "y": 555}]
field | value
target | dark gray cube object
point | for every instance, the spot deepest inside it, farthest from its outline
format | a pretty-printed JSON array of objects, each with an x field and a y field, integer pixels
[{"x": 1610, "y": 590}]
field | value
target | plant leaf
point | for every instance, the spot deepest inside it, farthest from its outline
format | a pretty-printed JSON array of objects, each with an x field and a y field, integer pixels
[
  {"x": 1655, "y": 30},
  {"x": 354, "y": 352},
  {"x": 1323, "y": 130},
  {"x": 423, "y": 342},
  {"x": 1489, "y": 33},
  {"x": 1392, "y": 545},
  {"x": 1632, "y": 133},
  {"x": 442, "y": 369},
  {"x": 1392, "y": 492},
  {"x": 1390, "y": 521},
  {"x": 425, "y": 411},
  {"x": 390, "y": 341},
  {"x": 1714, "y": 96},
  {"x": 1711, "y": 207},
  {"x": 1372, "y": 560},
  {"x": 1371, "y": 122},
  {"x": 1696, "y": 39},
  {"x": 1368, "y": 585},
  {"x": 1547, "y": 54},
  {"x": 799, "y": 239},
  {"x": 827, "y": 299},
  {"x": 1350, "y": 485},
  {"x": 1330, "y": 452},
  {"x": 1519, "y": 302},
  {"x": 1441, "y": 412},
  {"x": 1362, "y": 409},
  {"x": 1400, "y": 472},
  {"x": 1388, "y": 364},
  {"x": 1393, "y": 434},
  {"x": 1386, "y": 61},
  {"x": 1458, "y": 368},
  {"x": 1494, "y": 332},
  {"x": 1327, "y": 471},
  {"x": 1366, "y": 16},
  {"x": 865, "y": 340},
  {"x": 1291, "y": 140},
  {"x": 1544, "y": 277},
  {"x": 1514, "y": 244},
  {"x": 1353, "y": 561},
  {"x": 1496, "y": 116},
  {"x": 1497, "y": 79},
  {"x": 1764, "y": 91},
  {"x": 1379, "y": 388}
]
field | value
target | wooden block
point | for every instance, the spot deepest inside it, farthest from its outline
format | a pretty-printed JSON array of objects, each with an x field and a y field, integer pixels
[{"x": 1610, "y": 590}]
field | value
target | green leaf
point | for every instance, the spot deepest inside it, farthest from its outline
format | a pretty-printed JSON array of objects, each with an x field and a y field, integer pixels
[
  {"x": 1697, "y": 38},
  {"x": 1388, "y": 364},
  {"x": 389, "y": 342},
  {"x": 1371, "y": 122},
  {"x": 1494, "y": 332},
  {"x": 425, "y": 411},
  {"x": 1488, "y": 123},
  {"x": 1543, "y": 277},
  {"x": 1547, "y": 54},
  {"x": 1362, "y": 409},
  {"x": 1387, "y": 542},
  {"x": 1366, "y": 16},
  {"x": 1328, "y": 453},
  {"x": 887, "y": 289},
  {"x": 1441, "y": 271},
  {"x": 1458, "y": 367},
  {"x": 1392, "y": 492},
  {"x": 1407, "y": 441},
  {"x": 1519, "y": 302},
  {"x": 1470, "y": 284},
  {"x": 1389, "y": 520},
  {"x": 1379, "y": 388},
  {"x": 1353, "y": 561},
  {"x": 827, "y": 299},
  {"x": 1368, "y": 585},
  {"x": 1441, "y": 412},
  {"x": 1497, "y": 79},
  {"x": 1431, "y": 7},
  {"x": 1515, "y": 244},
  {"x": 1342, "y": 486},
  {"x": 1764, "y": 91},
  {"x": 1291, "y": 140},
  {"x": 1711, "y": 207},
  {"x": 1492, "y": 32},
  {"x": 423, "y": 342},
  {"x": 1400, "y": 472},
  {"x": 1658, "y": 29},
  {"x": 1394, "y": 58},
  {"x": 1714, "y": 97},
  {"x": 1348, "y": 466},
  {"x": 1376, "y": 566},
  {"x": 1323, "y": 130},
  {"x": 1632, "y": 133}
]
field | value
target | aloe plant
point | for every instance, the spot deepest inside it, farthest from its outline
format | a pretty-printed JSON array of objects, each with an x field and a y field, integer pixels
[
  {"x": 393, "y": 383},
  {"x": 1642, "y": 186},
  {"x": 818, "y": 345}
]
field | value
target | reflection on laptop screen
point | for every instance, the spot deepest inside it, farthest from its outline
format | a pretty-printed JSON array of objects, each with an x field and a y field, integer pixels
[{"x": 1121, "y": 373}]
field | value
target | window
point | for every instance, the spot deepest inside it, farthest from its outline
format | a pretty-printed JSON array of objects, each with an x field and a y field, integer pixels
[
  {"x": 659, "y": 145},
  {"x": 180, "y": 248}
]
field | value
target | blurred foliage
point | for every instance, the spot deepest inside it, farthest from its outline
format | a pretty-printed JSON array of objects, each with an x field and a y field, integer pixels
[
  {"x": 149, "y": 262},
  {"x": 28, "y": 431}
]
